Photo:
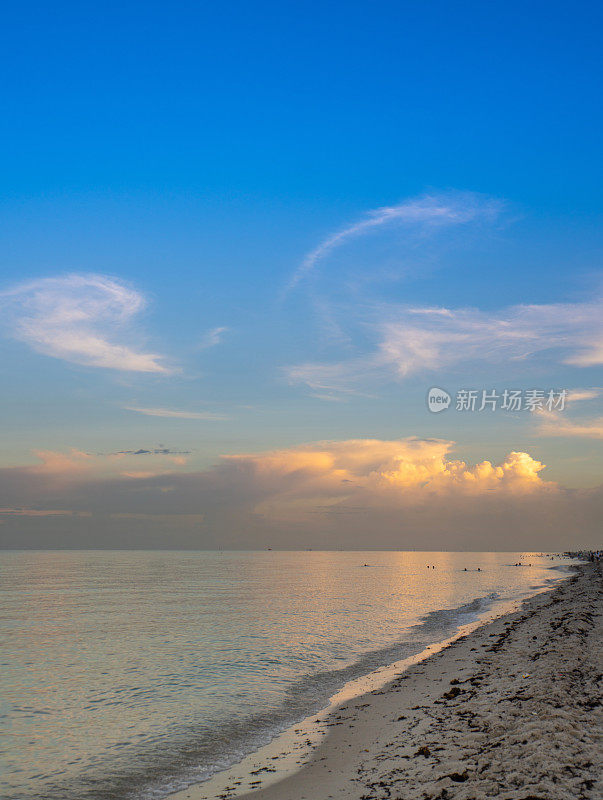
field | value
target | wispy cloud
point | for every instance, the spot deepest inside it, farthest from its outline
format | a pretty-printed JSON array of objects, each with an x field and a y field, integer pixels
[
  {"x": 171, "y": 413},
  {"x": 429, "y": 210},
  {"x": 409, "y": 340},
  {"x": 553, "y": 423},
  {"x": 156, "y": 451},
  {"x": 426, "y": 338},
  {"x": 434, "y": 338},
  {"x": 581, "y": 395},
  {"x": 80, "y": 318},
  {"x": 340, "y": 377},
  {"x": 213, "y": 337},
  {"x": 42, "y": 512}
]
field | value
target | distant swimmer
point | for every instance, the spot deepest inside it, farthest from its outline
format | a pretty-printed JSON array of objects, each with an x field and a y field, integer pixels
[{"x": 479, "y": 569}]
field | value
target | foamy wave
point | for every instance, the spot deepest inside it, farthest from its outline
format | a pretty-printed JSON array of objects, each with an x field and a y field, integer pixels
[{"x": 453, "y": 617}]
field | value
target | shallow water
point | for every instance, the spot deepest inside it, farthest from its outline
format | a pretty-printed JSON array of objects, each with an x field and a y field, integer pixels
[{"x": 132, "y": 674}]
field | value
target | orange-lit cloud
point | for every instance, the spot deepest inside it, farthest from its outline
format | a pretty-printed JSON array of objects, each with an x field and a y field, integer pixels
[
  {"x": 376, "y": 473},
  {"x": 356, "y": 493},
  {"x": 555, "y": 424},
  {"x": 77, "y": 466},
  {"x": 42, "y": 512},
  {"x": 406, "y": 466}
]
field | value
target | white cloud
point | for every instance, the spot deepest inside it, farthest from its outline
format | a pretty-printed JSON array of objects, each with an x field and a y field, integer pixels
[
  {"x": 553, "y": 423},
  {"x": 80, "y": 318},
  {"x": 213, "y": 337},
  {"x": 171, "y": 413},
  {"x": 338, "y": 377},
  {"x": 432, "y": 339},
  {"x": 426, "y": 338},
  {"x": 430, "y": 210},
  {"x": 421, "y": 339}
]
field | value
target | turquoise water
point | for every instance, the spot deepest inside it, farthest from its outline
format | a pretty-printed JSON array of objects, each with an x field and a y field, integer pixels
[{"x": 133, "y": 674}]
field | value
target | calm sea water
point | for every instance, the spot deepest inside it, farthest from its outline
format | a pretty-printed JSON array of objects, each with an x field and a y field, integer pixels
[{"x": 133, "y": 674}]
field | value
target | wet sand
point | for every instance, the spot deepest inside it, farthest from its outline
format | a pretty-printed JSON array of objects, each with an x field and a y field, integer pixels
[{"x": 510, "y": 711}]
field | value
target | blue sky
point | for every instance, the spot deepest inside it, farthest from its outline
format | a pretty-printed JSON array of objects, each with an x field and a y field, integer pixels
[
  {"x": 351, "y": 103},
  {"x": 195, "y": 157}
]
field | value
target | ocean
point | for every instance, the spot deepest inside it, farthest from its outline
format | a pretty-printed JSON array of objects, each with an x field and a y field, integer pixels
[{"x": 131, "y": 675}]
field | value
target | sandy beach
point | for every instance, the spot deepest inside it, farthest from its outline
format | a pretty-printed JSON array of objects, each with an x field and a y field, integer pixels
[{"x": 512, "y": 710}]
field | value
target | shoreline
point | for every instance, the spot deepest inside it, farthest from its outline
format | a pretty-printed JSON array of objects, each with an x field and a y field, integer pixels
[{"x": 301, "y": 762}]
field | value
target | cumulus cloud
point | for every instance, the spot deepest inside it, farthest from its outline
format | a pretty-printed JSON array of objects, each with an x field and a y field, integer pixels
[
  {"x": 356, "y": 493},
  {"x": 399, "y": 471},
  {"x": 377, "y": 473},
  {"x": 80, "y": 318},
  {"x": 428, "y": 211}
]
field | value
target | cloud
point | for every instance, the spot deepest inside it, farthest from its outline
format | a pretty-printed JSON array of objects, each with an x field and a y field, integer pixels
[
  {"x": 433, "y": 338},
  {"x": 375, "y": 339},
  {"x": 75, "y": 468},
  {"x": 213, "y": 337},
  {"x": 580, "y": 395},
  {"x": 410, "y": 340},
  {"x": 157, "y": 451},
  {"x": 41, "y": 512},
  {"x": 339, "y": 377},
  {"x": 404, "y": 470},
  {"x": 553, "y": 423},
  {"x": 396, "y": 473},
  {"x": 170, "y": 413},
  {"x": 80, "y": 318},
  {"x": 362, "y": 493},
  {"x": 427, "y": 211},
  {"x": 73, "y": 463}
]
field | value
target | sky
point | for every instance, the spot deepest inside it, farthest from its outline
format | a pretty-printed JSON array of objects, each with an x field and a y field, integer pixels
[{"x": 240, "y": 243}]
